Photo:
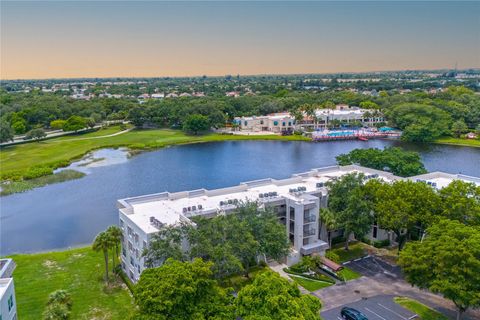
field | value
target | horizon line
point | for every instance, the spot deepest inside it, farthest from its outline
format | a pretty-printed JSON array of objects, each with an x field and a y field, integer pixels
[{"x": 238, "y": 74}]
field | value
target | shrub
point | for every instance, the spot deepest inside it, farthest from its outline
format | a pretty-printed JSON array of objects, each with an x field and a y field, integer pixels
[
  {"x": 332, "y": 256},
  {"x": 381, "y": 243}
]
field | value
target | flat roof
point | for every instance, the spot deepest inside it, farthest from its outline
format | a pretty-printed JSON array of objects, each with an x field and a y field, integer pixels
[{"x": 170, "y": 208}]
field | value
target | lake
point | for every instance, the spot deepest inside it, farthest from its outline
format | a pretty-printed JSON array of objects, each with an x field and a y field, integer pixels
[{"x": 73, "y": 212}]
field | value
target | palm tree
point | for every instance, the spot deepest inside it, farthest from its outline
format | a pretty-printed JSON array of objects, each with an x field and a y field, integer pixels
[
  {"x": 103, "y": 242},
  {"x": 327, "y": 218},
  {"x": 115, "y": 234}
]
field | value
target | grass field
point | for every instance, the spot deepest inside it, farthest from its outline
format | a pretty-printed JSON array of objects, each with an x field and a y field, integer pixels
[
  {"x": 310, "y": 284},
  {"x": 68, "y": 148},
  {"x": 348, "y": 274},
  {"x": 459, "y": 142},
  {"x": 239, "y": 281},
  {"x": 79, "y": 271},
  {"x": 424, "y": 312},
  {"x": 356, "y": 250}
]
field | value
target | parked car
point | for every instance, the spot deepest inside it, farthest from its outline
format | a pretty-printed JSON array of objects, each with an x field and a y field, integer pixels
[{"x": 352, "y": 314}]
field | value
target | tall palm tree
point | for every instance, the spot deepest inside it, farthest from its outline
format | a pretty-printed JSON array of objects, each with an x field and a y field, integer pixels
[
  {"x": 102, "y": 243},
  {"x": 115, "y": 234},
  {"x": 327, "y": 218}
]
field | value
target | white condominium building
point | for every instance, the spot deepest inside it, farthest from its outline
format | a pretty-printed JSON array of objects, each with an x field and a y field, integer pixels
[
  {"x": 8, "y": 304},
  {"x": 296, "y": 201}
]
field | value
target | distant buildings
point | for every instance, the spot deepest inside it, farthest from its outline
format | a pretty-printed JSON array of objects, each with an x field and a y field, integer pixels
[
  {"x": 8, "y": 303},
  {"x": 276, "y": 123}
]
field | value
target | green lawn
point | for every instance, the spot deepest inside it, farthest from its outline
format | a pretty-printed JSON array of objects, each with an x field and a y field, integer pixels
[
  {"x": 348, "y": 274},
  {"x": 356, "y": 250},
  {"x": 310, "y": 284},
  {"x": 67, "y": 148},
  {"x": 424, "y": 312},
  {"x": 79, "y": 271},
  {"x": 459, "y": 141}
]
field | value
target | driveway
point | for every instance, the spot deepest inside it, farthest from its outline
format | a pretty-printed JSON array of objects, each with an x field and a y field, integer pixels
[
  {"x": 375, "y": 308},
  {"x": 381, "y": 279}
]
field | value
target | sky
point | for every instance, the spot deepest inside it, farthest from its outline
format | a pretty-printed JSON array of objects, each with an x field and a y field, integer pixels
[{"x": 72, "y": 39}]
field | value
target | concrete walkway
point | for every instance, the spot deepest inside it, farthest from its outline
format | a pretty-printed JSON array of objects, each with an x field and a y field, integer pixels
[{"x": 278, "y": 268}]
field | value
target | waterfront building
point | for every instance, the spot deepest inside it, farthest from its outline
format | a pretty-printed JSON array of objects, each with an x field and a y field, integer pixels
[
  {"x": 277, "y": 123},
  {"x": 295, "y": 200},
  {"x": 341, "y": 114},
  {"x": 8, "y": 304}
]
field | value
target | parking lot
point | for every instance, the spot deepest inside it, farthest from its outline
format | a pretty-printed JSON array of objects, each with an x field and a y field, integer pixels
[
  {"x": 371, "y": 266},
  {"x": 375, "y": 308}
]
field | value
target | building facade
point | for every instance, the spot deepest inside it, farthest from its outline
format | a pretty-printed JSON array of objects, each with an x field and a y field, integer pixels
[
  {"x": 8, "y": 303},
  {"x": 295, "y": 200},
  {"x": 277, "y": 123}
]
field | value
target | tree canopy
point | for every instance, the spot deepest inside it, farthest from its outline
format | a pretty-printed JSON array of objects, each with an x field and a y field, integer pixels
[
  {"x": 274, "y": 298},
  {"x": 396, "y": 160},
  {"x": 447, "y": 261},
  {"x": 182, "y": 290}
]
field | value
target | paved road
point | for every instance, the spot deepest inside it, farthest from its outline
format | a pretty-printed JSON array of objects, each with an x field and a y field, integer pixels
[
  {"x": 379, "y": 278},
  {"x": 375, "y": 308}
]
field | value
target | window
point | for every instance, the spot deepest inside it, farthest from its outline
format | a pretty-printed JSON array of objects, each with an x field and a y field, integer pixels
[
  {"x": 261, "y": 121},
  {"x": 375, "y": 232},
  {"x": 275, "y": 123},
  {"x": 10, "y": 303},
  {"x": 129, "y": 231},
  {"x": 132, "y": 262},
  {"x": 131, "y": 275},
  {"x": 292, "y": 213},
  {"x": 123, "y": 266},
  {"x": 289, "y": 123},
  {"x": 121, "y": 223},
  {"x": 124, "y": 253},
  {"x": 246, "y": 122},
  {"x": 136, "y": 238},
  {"x": 283, "y": 124},
  {"x": 130, "y": 246},
  {"x": 144, "y": 244},
  {"x": 138, "y": 268}
]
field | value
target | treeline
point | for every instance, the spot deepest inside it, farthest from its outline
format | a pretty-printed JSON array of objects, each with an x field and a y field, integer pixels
[{"x": 422, "y": 116}]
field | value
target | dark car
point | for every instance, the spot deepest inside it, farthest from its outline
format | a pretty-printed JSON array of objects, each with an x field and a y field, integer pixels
[{"x": 352, "y": 314}]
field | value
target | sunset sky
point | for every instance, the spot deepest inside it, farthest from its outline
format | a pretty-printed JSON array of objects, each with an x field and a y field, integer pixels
[{"x": 135, "y": 39}]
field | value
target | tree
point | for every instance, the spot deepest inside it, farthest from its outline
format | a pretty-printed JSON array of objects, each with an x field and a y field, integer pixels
[
  {"x": 57, "y": 124},
  {"x": 58, "y": 307},
  {"x": 327, "y": 219},
  {"x": 36, "y": 134},
  {"x": 447, "y": 262},
  {"x": 90, "y": 122},
  {"x": 461, "y": 201},
  {"x": 165, "y": 244},
  {"x": 459, "y": 127},
  {"x": 348, "y": 201},
  {"x": 182, "y": 290},
  {"x": 396, "y": 160},
  {"x": 196, "y": 123},
  {"x": 273, "y": 297},
  {"x": 6, "y": 132},
  {"x": 103, "y": 243},
  {"x": 75, "y": 123},
  {"x": 420, "y": 122},
  {"x": 115, "y": 235},
  {"x": 403, "y": 207},
  {"x": 235, "y": 241}
]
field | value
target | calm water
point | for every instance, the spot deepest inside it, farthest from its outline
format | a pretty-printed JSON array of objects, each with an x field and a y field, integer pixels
[{"x": 73, "y": 212}]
